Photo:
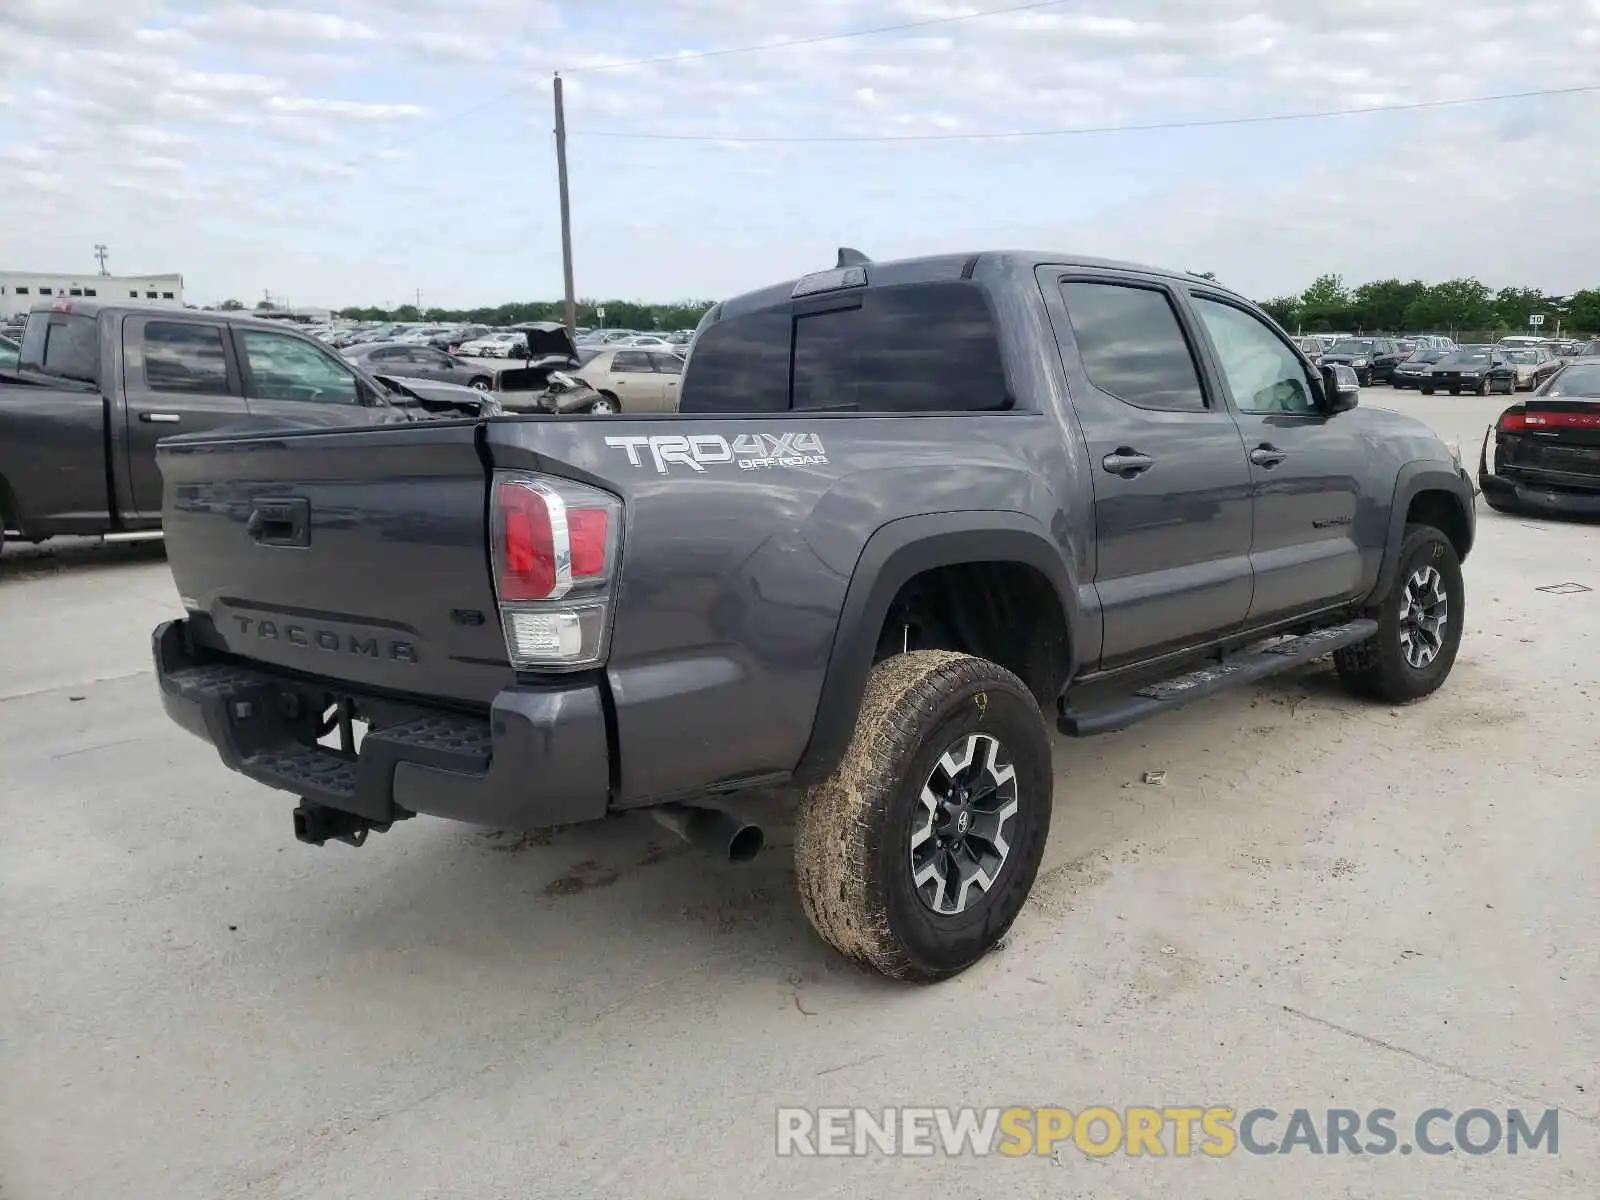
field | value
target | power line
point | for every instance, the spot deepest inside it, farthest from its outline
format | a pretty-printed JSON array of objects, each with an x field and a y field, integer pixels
[
  {"x": 690, "y": 56},
  {"x": 1078, "y": 131},
  {"x": 816, "y": 39}
]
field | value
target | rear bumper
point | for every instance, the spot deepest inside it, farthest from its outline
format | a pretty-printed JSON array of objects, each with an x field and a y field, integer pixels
[
  {"x": 1534, "y": 497},
  {"x": 539, "y": 758}
]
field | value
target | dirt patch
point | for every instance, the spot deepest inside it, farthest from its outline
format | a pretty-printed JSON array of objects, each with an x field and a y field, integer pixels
[{"x": 585, "y": 876}]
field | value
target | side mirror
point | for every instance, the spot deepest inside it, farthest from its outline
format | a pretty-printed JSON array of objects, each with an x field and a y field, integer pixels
[{"x": 1341, "y": 389}]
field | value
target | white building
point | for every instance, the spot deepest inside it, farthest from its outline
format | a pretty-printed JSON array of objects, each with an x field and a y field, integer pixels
[{"x": 21, "y": 290}]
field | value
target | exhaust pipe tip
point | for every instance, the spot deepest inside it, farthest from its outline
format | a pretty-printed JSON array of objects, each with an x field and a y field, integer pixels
[
  {"x": 713, "y": 831},
  {"x": 747, "y": 842}
]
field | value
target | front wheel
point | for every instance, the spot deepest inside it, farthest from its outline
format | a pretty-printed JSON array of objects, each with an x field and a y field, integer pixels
[
  {"x": 916, "y": 855},
  {"x": 481, "y": 384},
  {"x": 605, "y": 405},
  {"x": 1483, "y": 388},
  {"x": 1455, "y": 391},
  {"x": 1425, "y": 390},
  {"x": 1364, "y": 379},
  {"x": 1419, "y": 625}
]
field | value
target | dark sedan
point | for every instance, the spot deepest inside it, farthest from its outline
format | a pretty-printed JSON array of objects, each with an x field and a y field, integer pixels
[
  {"x": 1409, "y": 371},
  {"x": 1372, "y": 359},
  {"x": 1480, "y": 369},
  {"x": 418, "y": 362},
  {"x": 1543, "y": 455}
]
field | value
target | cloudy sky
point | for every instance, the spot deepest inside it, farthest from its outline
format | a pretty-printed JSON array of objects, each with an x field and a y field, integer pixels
[{"x": 355, "y": 151}]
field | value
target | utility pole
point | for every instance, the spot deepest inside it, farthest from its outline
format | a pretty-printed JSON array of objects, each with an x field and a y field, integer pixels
[
  {"x": 566, "y": 206},
  {"x": 419, "y": 303},
  {"x": 100, "y": 257}
]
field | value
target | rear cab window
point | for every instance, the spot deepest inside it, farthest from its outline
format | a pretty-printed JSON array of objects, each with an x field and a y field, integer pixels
[
  {"x": 897, "y": 348},
  {"x": 62, "y": 344}
]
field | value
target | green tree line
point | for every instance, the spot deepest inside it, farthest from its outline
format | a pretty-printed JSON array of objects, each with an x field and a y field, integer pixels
[
  {"x": 620, "y": 314},
  {"x": 1456, "y": 305}
]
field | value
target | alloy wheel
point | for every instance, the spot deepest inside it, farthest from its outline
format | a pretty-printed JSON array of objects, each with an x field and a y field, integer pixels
[
  {"x": 959, "y": 841},
  {"x": 1424, "y": 612}
]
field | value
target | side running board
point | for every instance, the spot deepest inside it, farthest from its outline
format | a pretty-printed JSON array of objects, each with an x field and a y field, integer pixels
[{"x": 1248, "y": 666}]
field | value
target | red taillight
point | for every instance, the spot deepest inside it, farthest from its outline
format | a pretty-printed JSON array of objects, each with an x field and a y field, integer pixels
[
  {"x": 1513, "y": 420},
  {"x": 554, "y": 548},
  {"x": 586, "y": 527},
  {"x": 528, "y": 548}
]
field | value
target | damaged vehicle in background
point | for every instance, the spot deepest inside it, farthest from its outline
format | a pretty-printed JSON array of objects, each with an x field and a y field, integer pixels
[
  {"x": 1543, "y": 455},
  {"x": 97, "y": 386}
]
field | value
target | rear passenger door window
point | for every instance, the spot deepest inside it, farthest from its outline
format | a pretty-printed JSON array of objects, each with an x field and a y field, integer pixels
[
  {"x": 180, "y": 357},
  {"x": 1132, "y": 346}
]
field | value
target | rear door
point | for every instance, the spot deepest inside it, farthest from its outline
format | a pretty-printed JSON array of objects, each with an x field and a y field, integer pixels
[
  {"x": 291, "y": 378},
  {"x": 1171, "y": 482},
  {"x": 1303, "y": 463},
  {"x": 638, "y": 385},
  {"x": 180, "y": 376},
  {"x": 427, "y": 363},
  {"x": 669, "y": 367}
]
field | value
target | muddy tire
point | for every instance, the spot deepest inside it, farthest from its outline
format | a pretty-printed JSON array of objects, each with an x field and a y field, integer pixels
[
  {"x": 916, "y": 855},
  {"x": 1419, "y": 625}
]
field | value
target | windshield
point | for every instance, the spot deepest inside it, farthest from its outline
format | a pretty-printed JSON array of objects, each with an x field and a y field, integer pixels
[
  {"x": 1468, "y": 358},
  {"x": 1426, "y": 355},
  {"x": 1575, "y": 381},
  {"x": 1522, "y": 356},
  {"x": 1351, "y": 346}
]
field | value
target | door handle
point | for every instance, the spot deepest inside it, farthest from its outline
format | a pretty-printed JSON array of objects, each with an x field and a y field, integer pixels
[
  {"x": 1267, "y": 455},
  {"x": 1127, "y": 463},
  {"x": 155, "y": 418}
]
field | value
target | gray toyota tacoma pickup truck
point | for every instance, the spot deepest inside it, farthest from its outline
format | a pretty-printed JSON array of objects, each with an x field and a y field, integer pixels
[{"x": 910, "y": 516}]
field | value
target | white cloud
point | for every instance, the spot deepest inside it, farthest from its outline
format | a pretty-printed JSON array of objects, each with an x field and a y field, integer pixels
[{"x": 417, "y": 124}]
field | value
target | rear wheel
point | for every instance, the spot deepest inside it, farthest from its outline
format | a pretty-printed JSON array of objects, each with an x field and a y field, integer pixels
[
  {"x": 916, "y": 855},
  {"x": 1419, "y": 625}
]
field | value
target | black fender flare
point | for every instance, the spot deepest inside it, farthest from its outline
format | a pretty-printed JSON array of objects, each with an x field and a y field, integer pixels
[
  {"x": 896, "y": 553},
  {"x": 1414, "y": 479}
]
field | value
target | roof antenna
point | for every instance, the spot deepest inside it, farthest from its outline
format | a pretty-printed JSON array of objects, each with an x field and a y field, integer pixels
[{"x": 851, "y": 258}]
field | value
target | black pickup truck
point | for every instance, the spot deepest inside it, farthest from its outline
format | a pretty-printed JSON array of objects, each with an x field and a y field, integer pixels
[
  {"x": 910, "y": 516},
  {"x": 95, "y": 386}
]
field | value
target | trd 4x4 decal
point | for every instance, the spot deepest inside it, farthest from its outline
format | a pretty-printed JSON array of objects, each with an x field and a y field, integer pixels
[{"x": 752, "y": 451}]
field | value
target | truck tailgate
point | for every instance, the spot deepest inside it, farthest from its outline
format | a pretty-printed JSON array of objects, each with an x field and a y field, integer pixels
[{"x": 358, "y": 555}]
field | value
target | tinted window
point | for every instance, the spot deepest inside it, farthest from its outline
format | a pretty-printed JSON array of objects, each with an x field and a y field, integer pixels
[
  {"x": 285, "y": 368},
  {"x": 668, "y": 364},
  {"x": 1132, "y": 346},
  {"x": 740, "y": 365},
  {"x": 1576, "y": 381},
  {"x": 632, "y": 362},
  {"x": 920, "y": 348},
  {"x": 185, "y": 358},
  {"x": 391, "y": 354},
  {"x": 59, "y": 344},
  {"x": 1263, "y": 374}
]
